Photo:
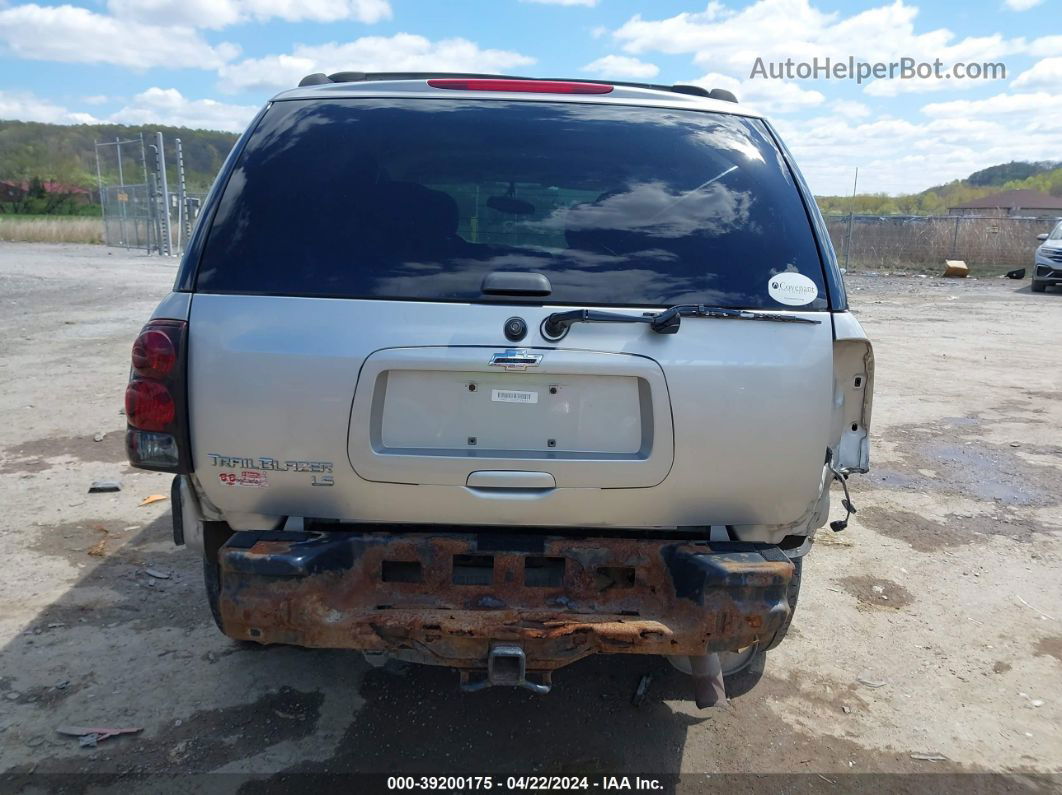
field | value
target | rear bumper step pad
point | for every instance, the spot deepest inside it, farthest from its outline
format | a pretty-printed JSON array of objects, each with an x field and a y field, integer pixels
[{"x": 449, "y": 597}]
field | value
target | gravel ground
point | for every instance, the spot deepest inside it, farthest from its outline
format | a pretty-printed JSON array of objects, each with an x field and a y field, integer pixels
[{"x": 931, "y": 627}]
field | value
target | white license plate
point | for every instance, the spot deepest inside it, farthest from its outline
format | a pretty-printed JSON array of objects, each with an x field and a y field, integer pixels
[{"x": 513, "y": 396}]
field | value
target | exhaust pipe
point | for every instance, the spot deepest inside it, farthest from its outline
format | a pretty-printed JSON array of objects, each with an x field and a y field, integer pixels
[{"x": 707, "y": 674}]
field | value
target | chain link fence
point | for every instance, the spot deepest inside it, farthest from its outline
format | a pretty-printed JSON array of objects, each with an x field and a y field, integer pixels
[
  {"x": 908, "y": 242},
  {"x": 147, "y": 214},
  {"x": 128, "y": 218}
]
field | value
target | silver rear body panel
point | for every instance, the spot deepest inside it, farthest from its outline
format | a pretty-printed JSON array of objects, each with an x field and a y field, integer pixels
[
  {"x": 361, "y": 410},
  {"x": 741, "y": 414}
]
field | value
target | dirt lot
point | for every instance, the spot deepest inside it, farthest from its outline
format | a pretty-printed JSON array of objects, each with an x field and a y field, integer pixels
[{"x": 932, "y": 626}]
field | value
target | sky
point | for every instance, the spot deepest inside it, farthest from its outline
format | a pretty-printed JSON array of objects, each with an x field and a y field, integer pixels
[{"x": 212, "y": 63}]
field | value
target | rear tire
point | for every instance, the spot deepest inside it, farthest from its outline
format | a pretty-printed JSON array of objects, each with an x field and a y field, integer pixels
[
  {"x": 749, "y": 674},
  {"x": 741, "y": 682},
  {"x": 215, "y": 534},
  {"x": 1038, "y": 287},
  {"x": 793, "y": 594}
]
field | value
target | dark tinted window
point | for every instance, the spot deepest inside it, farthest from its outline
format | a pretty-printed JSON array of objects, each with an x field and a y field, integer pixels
[{"x": 420, "y": 199}]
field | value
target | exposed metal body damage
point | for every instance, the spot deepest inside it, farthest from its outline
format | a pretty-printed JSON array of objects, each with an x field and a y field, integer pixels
[{"x": 446, "y": 599}]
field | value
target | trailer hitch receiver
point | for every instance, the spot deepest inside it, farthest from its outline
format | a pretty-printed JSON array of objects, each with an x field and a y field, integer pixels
[{"x": 507, "y": 666}]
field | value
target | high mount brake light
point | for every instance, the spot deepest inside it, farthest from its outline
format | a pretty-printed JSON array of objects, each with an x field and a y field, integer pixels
[
  {"x": 527, "y": 86},
  {"x": 157, "y": 433}
]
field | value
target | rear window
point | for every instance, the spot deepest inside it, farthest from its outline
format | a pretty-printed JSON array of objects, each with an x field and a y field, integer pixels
[{"x": 421, "y": 199}]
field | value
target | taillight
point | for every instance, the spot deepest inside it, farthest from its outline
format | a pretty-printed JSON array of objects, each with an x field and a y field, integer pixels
[
  {"x": 153, "y": 354},
  {"x": 157, "y": 433},
  {"x": 149, "y": 405},
  {"x": 530, "y": 86}
]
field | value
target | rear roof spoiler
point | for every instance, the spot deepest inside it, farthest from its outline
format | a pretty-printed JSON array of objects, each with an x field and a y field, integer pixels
[{"x": 319, "y": 78}]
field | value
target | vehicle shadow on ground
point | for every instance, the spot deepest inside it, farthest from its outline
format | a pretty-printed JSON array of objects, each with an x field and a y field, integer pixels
[
  {"x": 406, "y": 718},
  {"x": 1027, "y": 290}
]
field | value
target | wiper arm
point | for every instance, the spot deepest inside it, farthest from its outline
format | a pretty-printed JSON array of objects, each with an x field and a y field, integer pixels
[
  {"x": 667, "y": 322},
  {"x": 556, "y": 325}
]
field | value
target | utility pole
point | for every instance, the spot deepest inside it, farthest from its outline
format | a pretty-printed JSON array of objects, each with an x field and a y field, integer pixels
[
  {"x": 167, "y": 244},
  {"x": 851, "y": 213},
  {"x": 99, "y": 185},
  {"x": 149, "y": 224},
  {"x": 184, "y": 226},
  {"x": 121, "y": 187}
]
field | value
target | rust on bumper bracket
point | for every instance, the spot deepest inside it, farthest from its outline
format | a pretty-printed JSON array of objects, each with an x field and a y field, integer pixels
[{"x": 447, "y": 598}]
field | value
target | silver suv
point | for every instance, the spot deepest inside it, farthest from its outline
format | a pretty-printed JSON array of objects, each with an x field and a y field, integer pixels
[
  {"x": 1047, "y": 264},
  {"x": 497, "y": 373}
]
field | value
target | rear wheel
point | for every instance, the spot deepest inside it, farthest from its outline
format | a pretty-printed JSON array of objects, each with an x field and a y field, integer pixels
[
  {"x": 214, "y": 535},
  {"x": 1038, "y": 287},
  {"x": 740, "y": 681},
  {"x": 743, "y": 669},
  {"x": 793, "y": 594}
]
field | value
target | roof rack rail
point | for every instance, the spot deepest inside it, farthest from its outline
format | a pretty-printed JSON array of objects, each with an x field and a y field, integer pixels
[{"x": 319, "y": 78}]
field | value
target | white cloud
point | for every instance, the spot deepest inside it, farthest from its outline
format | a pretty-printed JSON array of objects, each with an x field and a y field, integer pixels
[
  {"x": 563, "y": 2},
  {"x": 221, "y": 13},
  {"x": 922, "y": 85},
  {"x": 622, "y": 66},
  {"x": 1043, "y": 74},
  {"x": 168, "y": 106},
  {"x": 1022, "y": 5},
  {"x": 403, "y": 52},
  {"x": 769, "y": 96},
  {"x": 730, "y": 41},
  {"x": 849, "y": 108},
  {"x": 96, "y": 99},
  {"x": 77, "y": 35},
  {"x": 25, "y": 106},
  {"x": 1001, "y": 105},
  {"x": 1045, "y": 46},
  {"x": 154, "y": 106},
  {"x": 894, "y": 155}
]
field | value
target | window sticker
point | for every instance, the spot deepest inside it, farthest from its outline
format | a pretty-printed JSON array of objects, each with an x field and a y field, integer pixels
[{"x": 792, "y": 289}]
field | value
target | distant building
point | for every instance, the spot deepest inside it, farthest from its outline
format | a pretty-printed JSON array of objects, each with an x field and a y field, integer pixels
[
  {"x": 16, "y": 190},
  {"x": 1014, "y": 203}
]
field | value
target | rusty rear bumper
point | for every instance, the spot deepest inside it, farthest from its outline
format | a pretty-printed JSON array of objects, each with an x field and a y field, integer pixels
[{"x": 445, "y": 598}]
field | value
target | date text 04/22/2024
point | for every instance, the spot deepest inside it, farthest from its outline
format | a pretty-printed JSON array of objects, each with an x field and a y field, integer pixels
[{"x": 524, "y": 783}]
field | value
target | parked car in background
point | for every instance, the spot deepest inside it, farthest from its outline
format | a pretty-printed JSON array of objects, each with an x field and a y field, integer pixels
[
  {"x": 498, "y": 373},
  {"x": 1047, "y": 266}
]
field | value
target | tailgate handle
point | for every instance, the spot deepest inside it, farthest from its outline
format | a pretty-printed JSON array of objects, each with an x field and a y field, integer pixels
[{"x": 510, "y": 479}]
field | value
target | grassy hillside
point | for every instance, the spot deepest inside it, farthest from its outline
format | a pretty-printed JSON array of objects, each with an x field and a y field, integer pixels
[
  {"x": 64, "y": 153},
  {"x": 1044, "y": 176}
]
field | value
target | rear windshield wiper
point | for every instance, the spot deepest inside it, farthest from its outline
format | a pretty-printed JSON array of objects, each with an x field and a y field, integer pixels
[
  {"x": 667, "y": 322},
  {"x": 556, "y": 325}
]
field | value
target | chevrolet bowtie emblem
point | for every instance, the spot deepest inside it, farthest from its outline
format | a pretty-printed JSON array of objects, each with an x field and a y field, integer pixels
[{"x": 515, "y": 359}]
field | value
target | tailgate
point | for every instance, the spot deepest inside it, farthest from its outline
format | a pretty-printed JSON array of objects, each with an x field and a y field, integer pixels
[
  {"x": 361, "y": 411},
  {"x": 481, "y": 416}
]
